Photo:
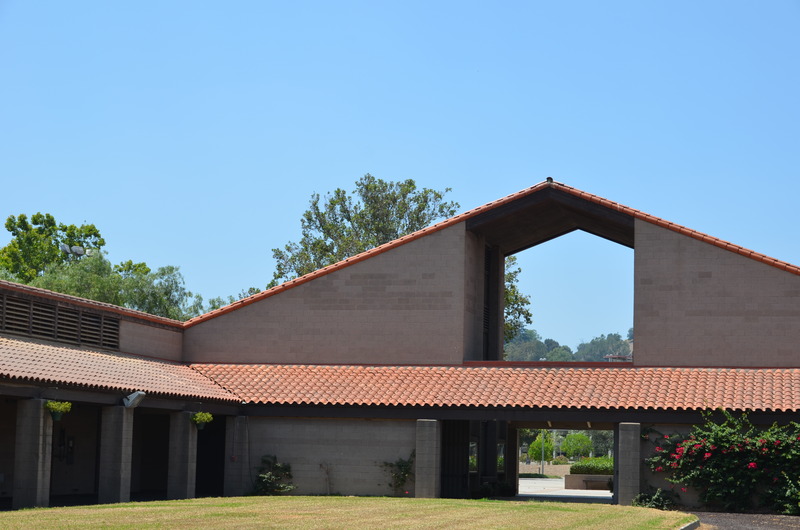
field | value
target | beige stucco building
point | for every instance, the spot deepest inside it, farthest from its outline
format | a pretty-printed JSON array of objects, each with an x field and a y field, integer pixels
[{"x": 394, "y": 352}]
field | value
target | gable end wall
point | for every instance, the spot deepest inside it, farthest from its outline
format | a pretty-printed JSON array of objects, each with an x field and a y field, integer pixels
[
  {"x": 696, "y": 304},
  {"x": 404, "y": 306}
]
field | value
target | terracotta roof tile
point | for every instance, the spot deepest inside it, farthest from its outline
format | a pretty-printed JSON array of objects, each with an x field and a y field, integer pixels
[
  {"x": 637, "y": 214},
  {"x": 41, "y": 362},
  {"x": 525, "y": 387}
]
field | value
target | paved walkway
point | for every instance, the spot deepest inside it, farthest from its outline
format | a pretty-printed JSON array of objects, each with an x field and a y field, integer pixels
[{"x": 552, "y": 489}]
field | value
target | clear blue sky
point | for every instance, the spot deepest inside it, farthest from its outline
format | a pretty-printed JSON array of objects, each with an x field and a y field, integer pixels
[{"x": 193, "y": 133}]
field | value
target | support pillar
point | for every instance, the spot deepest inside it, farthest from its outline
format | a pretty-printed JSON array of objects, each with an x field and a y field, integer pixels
[
  {"x": 511, "y": 458},
  {"x": 627, "y": 465},
  {"x": 237, "y": 458},
  {"x": 182, "y": 467},
  {"x": 32, "y": 455},
  {"x": 487, "y": 453},
  {"x": 428, "y": 466},
  {"x": 116, "y": 448}
]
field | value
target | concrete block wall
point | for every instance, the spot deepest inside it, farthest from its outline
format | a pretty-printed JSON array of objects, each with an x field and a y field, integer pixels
[
  {"x": 116, "y": 447},
  {"x": 332, "y": 456},
  {"x": 428, "y": 468},
  {"x": 151, "y": 340},
  {"x": 473, "y": 296},
  {"x": 696, "y": 304},
  {"x": 650, "y": 480},
  {"x": 627, "y": 462},
  {"x": 182, "y": 465},
  {"x": 404, "y": 306},
  {"x": 32, "y": 454}
]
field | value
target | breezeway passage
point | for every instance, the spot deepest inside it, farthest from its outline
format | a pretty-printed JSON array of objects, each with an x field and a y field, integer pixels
[{"x": 552, "y": 489}]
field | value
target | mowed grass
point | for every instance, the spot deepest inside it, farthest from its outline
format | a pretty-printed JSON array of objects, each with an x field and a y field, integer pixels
[{"x": 344, "y": 512}]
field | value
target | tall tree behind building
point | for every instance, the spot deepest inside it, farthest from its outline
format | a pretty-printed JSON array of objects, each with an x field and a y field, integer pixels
[{"x": 34, "y": 256}]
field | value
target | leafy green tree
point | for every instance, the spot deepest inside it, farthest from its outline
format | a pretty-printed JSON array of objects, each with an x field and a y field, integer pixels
[
  {"x": 535, "y": 448},
  {"x": 91, "y": 277},
  {"x": 526, "y": 346},
  {"x": 599, "y": 347},
  {"x": 576, "y": 444},
  {"x": 529, "y": 346},
  {"x": 35, "y": 244},
  {"x": 602, "y": 442},
  {"x": 516, "y": 309},
  {"x": 219, "y": 301},
  {"x": 133, "y": 285},
  {"x": 341, "y": 225}
]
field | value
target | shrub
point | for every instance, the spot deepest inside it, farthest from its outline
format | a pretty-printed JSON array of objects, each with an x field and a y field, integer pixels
[
  {"x": 601, "y": 465},
  {"x": 560, "y": 460},
  {"x": 734, "y": 464},
  {"x": 658, "y": 499},
  {"x": 273, "y": 478}
]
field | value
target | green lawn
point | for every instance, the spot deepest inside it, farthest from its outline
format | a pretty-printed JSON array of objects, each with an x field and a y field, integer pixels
[{"x": 344, "y": 512}]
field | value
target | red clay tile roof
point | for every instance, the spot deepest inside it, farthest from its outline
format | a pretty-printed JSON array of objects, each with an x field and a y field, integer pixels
[
  {"x": 563, "y": 387},
  {"x": 84, "y": 302},
  {"x": 637, "y": 214},
  {"x": 32, "y": 361}
]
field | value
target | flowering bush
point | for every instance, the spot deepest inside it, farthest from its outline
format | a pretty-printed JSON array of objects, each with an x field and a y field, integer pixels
[{"x": 734, "y": 464}]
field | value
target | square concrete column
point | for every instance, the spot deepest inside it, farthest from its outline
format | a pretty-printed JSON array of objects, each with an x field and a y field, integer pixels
[
  {"x": 116, "y": 449},
  {"x": 32, "y": 455},
  {"x": 237, "y": 458},
  {"x": 511, "y": 458},
  {"x": 182, "y": 456},
  {"x": 627, "y": 441},
  {"x": 428, "y": 465}
]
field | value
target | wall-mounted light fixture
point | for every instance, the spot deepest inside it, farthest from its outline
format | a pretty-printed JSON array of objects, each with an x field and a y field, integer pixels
[{"x": 132, "y": 401}]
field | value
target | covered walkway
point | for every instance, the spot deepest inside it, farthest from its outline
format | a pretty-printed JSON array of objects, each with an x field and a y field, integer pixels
[{"x": 552, "y": 489}]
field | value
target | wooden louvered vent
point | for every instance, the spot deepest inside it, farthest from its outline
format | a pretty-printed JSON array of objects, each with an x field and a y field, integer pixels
[{"x": 34, "y": 318}]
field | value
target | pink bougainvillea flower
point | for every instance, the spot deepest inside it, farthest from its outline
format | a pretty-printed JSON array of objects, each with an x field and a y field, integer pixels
[
  {"x": 659, "y": 449},
  {"x": 752, "y": 465},
  {"x": 659, "y": 468},
  {"x": 707, "y": 456},
  {"x": 666, "y": 437},
  {"x": 683, "y": 490}
]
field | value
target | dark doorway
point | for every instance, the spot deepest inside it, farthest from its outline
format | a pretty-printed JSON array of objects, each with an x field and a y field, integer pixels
[
  {"x": 455, "y": 459},
  {"x": 210, "y": 475},
  {"x": 150, "y": 455}
]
